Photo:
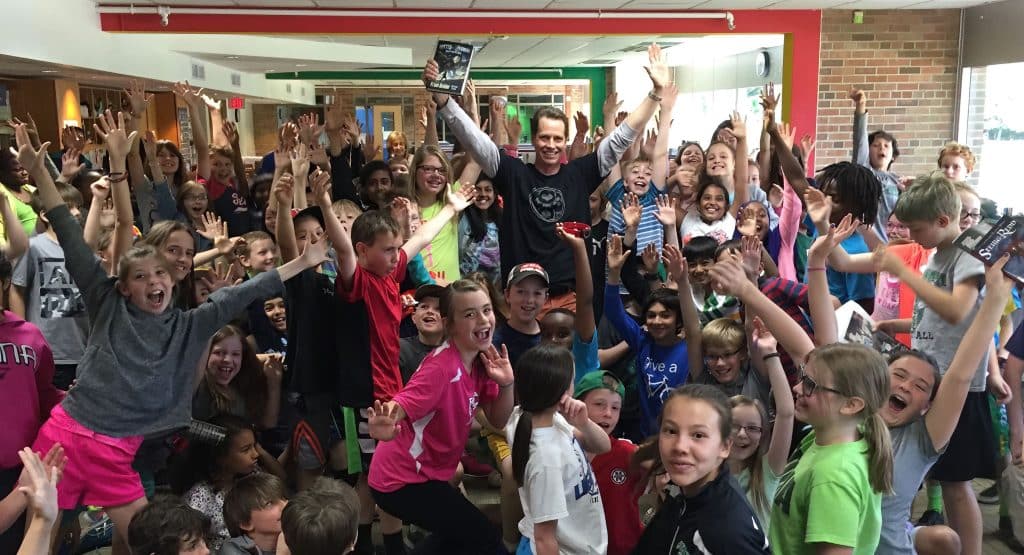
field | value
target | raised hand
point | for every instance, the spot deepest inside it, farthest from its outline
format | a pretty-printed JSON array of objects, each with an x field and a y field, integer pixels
[
  {"x": 666, "y": 213},
  {"x": 273, "y": 367},
  {"x": 996, "y": 281},
  {"x": 739, "y": 125},
  {"x": 497, "y": 365},
  {"x": 650, "y": 257},
  {"x": 230, "y": 131},
  {"x": 283, "y": 189},
  {"x": 858, "y": 97},
  {"x": 41, "y": 486},
  {"x": 807, "y": 144},
  {"x": 318, "y": 156},
  {"x": 788, "y": 133},
  {"x": 631, "y": 210},
  {"x": 69, "y": 164},
  {"x": 886, "y": 261},
  {"x": 113, "y": 134},
  {"x": 647, "y": 147},
  {"x": 750, "y": 255},
  {"x": 100, "y": 189},
  {"x": 657, "y": 67},
  {"x": 574, "y": 411},
  {"x": 383, "y": 421},
  {"x": 137, "y": 98},
  {"x": 513, "y": 128},
  {"x": 669, "y": 95},
  {"x": 763, "y": 341},
  {"x": 29, "y": 158},
  {"x": 211, "y": 102},
  {"x": 192, "y": 97},
  {"x": 310, "y": 128},
  {"x": 431, "y": 72},
  {"x": 316, "y": 253},
  {"x": 728, "y": 276},
  {"x": 334, "y": 114},
  {"x": 769, "y": 100},
  {"x": 675, "y": 264},
  {"x": 149, "y": 144},
  {"x": 747, "y": 226},
  {"x": 825, "y": 244},
  {"x": 461, "y": 199},
  {"x": 320, "y": 186},
  {"x": 220, "y": 277},
  {"x": 620, "y": 117},
  {"x": 400, "y": 210},
  {"x": 611, "y": 106},
  {"x": 819, "y": 207},
  {"x": 616, "y": 256},
  {"x": 300, "y": 159},
  {"x": 351, "y": 127},
  {"x": 370, "y": 147},
  {"x": 582, "y": 124}
]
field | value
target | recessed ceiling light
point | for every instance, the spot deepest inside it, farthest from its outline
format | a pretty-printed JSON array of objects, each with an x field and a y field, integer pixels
[
  {"x": 49, "y": 71},
  {"x": 301, "y": 65}
]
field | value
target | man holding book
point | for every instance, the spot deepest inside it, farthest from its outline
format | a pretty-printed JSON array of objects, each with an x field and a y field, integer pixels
[{"x": 539, "y": 195}]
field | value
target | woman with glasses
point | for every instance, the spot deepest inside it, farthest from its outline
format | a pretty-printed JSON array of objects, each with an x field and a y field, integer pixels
[{"x": 431, "y": 178}]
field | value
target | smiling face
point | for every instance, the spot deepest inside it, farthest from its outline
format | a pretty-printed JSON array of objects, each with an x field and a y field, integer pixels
[
  {"x": 526, "y": 298},
  {"x": 747, "y": 431},
  {"x": 262, "y": 256},
  {"x": 277, "y": 313},
  {"x": 604, "y": 407},
  {"x": 221, "y": 168},
  {"x": 169, "y": 163},
  {"x": 148, "y": 285},
  {"x": 700, "y": 271},
  {"x": 713, "y": 203},
  {"x": 179, "y": 249},
  {"x": 549, "y": 142},
  {"x": 638, "y": 178},
  {"x": 662, "y": 323},
  {"x": 721, "y": 161},
  {"x": 471, "y": 322},
  {"x": 225, "y": 360},
  {"x": 196, "y": 202},
  {"x": 484, "y": 195},
  {"x": 377, "y": 186},
  {"x": 396, "y": 147},
  {"x": 431, "y": 176},
  {"x": 692, "y": 157},
  {"x": 970, "y": 210},
  {"x": 690, "y": 443},
  {"x": 427, "y": 316},
  {"x": 725, "y": 365},
  {"x": 911, "y": 381}
]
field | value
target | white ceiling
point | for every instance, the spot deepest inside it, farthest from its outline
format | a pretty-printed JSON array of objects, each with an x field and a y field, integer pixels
[{"x": 563, "y": 4}]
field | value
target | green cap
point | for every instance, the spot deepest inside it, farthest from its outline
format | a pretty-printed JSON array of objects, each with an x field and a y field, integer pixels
[{"x": 599, "y": 379}]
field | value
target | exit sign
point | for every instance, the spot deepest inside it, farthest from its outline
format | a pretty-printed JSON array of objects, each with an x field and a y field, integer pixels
[{"x": 236, "y": 103}]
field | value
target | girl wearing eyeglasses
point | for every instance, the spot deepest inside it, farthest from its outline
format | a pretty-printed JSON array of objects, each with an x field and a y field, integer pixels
[{"x": 830, "y": 494}]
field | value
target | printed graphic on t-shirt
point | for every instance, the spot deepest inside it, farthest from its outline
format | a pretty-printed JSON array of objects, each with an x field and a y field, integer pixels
[
  {"x": 12, "y": 354},
  {"x": 58, "y": 295},
  {"x": 588, "y": 483},
  {"x": 938, "y": 279},
  {"x": 657, "y": 380},
  {"x": 548, "y": 204}
]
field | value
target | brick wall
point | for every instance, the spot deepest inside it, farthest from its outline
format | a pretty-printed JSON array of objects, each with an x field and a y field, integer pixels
[{"x": 906, "y": 62}]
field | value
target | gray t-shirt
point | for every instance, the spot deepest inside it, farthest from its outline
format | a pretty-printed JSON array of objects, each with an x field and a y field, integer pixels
[
  {"x": 913, "y": 455},
  {"x": 748, "y": 384},
  {"x": 928, "y": 331},
  {"x": 52, "y": 300}
]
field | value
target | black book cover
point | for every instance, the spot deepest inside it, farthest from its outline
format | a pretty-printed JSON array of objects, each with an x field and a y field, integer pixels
[
  {"x": 453, "y": 59},
  {"x": 1005, "y": 236}
]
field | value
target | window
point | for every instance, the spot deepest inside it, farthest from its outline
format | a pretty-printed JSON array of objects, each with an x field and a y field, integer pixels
[
  {"x": 521, "y": 105},
  {"x": 992, "y": 124}
]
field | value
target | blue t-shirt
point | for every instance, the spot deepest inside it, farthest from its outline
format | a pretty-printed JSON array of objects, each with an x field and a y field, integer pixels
[
  {"x": 847, "y": 286},
  {"x": 661, "y": 367},
  {"x": 584, "y": 355}
]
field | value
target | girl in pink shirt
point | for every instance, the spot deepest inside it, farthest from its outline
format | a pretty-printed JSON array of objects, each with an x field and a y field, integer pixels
[{"x": 423, "y": 430}]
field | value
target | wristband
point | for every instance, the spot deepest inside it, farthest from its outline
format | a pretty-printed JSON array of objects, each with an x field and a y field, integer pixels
[
  {"x": 117, "y": 177},
  {"x": 506, "y": 386},
  {"x": 768, "y": 356},
  {"x": 653, "y": 96},
  {"x": 816, "y": 269}
]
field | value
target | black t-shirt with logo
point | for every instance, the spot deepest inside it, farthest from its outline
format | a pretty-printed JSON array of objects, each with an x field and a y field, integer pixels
[{"x": 533, "y": 204}]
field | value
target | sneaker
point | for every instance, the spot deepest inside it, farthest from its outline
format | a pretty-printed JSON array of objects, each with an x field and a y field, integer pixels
[
  {"x": 931, "y": 517},
  {"x": 990, "y": 495},
  {"x": 475, "y": 468}
]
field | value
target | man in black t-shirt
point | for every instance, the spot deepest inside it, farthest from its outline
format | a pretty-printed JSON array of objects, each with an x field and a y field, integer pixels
[{"x": 539, "y": 195}]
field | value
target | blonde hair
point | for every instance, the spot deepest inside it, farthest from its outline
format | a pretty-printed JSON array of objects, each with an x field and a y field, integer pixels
[
  {"x": 860, "y": 371},
  {"x": 723, "y": 333},
  {"x": 927, "y": 198},
  {"x": 754, "y": 464},
  {"x": 961, "y": 150},
  {"x": 417, "y": 161}
]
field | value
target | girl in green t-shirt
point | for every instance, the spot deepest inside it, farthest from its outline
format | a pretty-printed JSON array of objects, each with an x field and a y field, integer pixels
[
  {"x": 831, "y": 491},
  {"x": 431, "y": 176}
]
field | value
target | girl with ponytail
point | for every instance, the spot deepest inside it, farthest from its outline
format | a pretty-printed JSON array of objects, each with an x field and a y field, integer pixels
[
  {"x": 831, "y": 491},
  {"x": 549, "y": 431}
]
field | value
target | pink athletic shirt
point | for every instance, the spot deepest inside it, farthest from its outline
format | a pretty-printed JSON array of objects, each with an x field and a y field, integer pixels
[{"x": 439, "y": 402}]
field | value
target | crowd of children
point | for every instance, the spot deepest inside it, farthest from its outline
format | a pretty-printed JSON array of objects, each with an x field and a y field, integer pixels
[{"x": 641, "y": 348}]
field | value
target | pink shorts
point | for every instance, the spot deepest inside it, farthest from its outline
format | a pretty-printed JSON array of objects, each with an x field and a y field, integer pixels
[{"x": 99, "y": 470}]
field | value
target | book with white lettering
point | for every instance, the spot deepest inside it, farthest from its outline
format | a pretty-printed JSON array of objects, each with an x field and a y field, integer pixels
[
  {"x": 453, "y": 59},
  {"x": 988, "y": 245}
]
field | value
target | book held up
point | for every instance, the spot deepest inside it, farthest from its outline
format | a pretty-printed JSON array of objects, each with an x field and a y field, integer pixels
[
  {"x": 453, "y": 60},
  {"x": 989, "y": 243}
]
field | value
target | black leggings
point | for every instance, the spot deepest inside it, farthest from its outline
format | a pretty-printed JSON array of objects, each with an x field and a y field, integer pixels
[{"x": 456, "y": 525}]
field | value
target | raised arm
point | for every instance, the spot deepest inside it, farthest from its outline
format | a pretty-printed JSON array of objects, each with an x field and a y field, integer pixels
[
  {"x": 678, "y": 272},
  {"x": 728, "y": 278},
  {"x": 17, "y": 239},
  {"x": 230, "y": 131},
  {"x": 659, "y": 162},
  {"x": 585, "y": 322},
  {"x": 952, "y": 306},
  {"x": 456, "y": 202},
  {"x": 823, "y": 316},
  {"x": 476, "y": 142},
  {"x": 740, "y": 179},
  {"x": 791, "y": 167},
  {"x": 196, "y": 110},
  {"x": 860, "y": 128},
  {"x": 428, "y": 119},
  {"x": 284, "y": 229},
  {"x": 118, "y": 145},
  {"x": 578, "y": 148},
  {"x": 945, "y": 410},
  {"x": 765, "y": 348}
]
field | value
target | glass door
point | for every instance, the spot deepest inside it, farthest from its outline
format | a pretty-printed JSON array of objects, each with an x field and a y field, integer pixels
[{"x": 387, "y": 118}]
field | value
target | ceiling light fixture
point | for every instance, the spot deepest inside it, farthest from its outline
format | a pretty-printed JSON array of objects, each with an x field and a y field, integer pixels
[
  {"x": 232, "y": 57},
  {"x": 49, "y": 71}
]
